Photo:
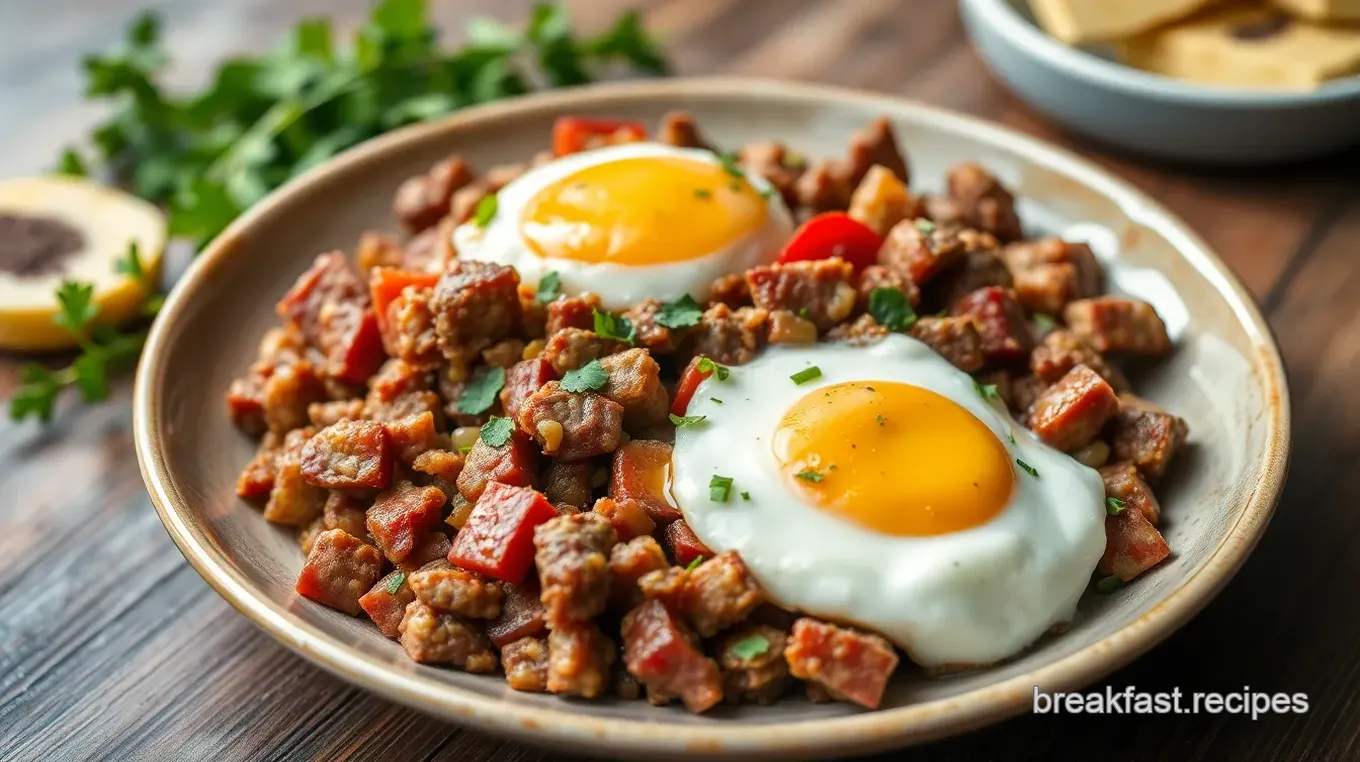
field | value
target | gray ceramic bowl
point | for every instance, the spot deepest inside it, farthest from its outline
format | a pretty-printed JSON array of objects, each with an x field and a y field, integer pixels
[{"x": 1157, "y": 115}]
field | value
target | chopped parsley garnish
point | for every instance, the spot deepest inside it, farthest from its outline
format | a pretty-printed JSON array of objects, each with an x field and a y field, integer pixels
[
  {"x": 703, "y": 193},
  {"x": 549, "y": 287},
  {"x": 986, "y": 391},
  {"x": 803, "y": 312},
  {"x": 496, "y": 432},
  {"x": 746, "y": 496},
  {"x": 395, "y": 584},
  {"x": 1114, "y": 506},
  {"x": 1011, "y": 436},
  {"x": 707, "y": 366},
  {"x": 1031, "y": 470},
  {"x": 588, "y": 377},
  {"x": 719, "y": 488},
  {"x": 810, "y": 476},
  {"x": 880, "y": 419},
  {"x": 1109, "y": 584},
  {"x": 482, "y": 391},
  {"x": 614, "y": 327},
  {"x": 926, "y": 227},
  {"x": 751, "y": 646},
  {"x": 806, "y": 374},
  {"x": 681, "y": 313},
  {"x": 694, "y": 563},
  {"x": 715, "y": 399},
  {"x": 891, "y": 308},
  {"x": 1045, "y": 322},
  {"x": 486, "y": 210},
  {"x": 685, "y": 421},
  {"x": 728, "y": 159}
]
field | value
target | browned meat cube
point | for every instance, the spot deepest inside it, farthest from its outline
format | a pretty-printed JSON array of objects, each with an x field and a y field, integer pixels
[
  {"x": 1051, "y": 272},
  {"x": 245, "y": 404},
  {"x": 514, "y": 463},
  {"x": 330, "y": 305},
  {"x": 287, "y": 394},
  {"x": 1132, "y": 545},
  {"x": 752, "y": 661},
  {"x": 572, "y": 555},
  {"x": 412, "y": 436},
  {"x": 525, "y": 662},
  {"x": 572, "y": 312},
  {"x": 475, "y": 305},
  {"x": 521, "y": 614},
  {"x": 727, "y": 336},
  {"x": 984, "y": 202},
  {"x": 432, "y": 546},
  {"x": 864, "y": 330},
  {"x": 570, "y": 425},
  {"x": 677, "y": 128},
  {"x": 720, "y": 592},
  {"x": 639, "y": 473},
  {"x": 432, "y": 248},
  {"x": 568, "y": 483},
  {"x": 307, "y": 536},
  {"x": 820, "y": 289},
  {"x": 652, "y": 335},
  {"x": 433, "y": 637},
  {"x": 346, "y": 511},
  {"x": 579, "y": 658},
  {"x": 628, "y": 517},
  {"x": 1124, "y": 483},
  {"x": 443, "y": 469},
  {"x": 323, "y": 414},
  {"x": 635, "y": 383},
  {"x": 443, "y": 586},
  {"x": 665, "y": 585},
  {"x": 571, "y": 348},
  {"x": 881, "y": 200},
  {"x": 348, "y": 455},
  {"x": 377, "y": 249},
  {"x": 386, "y": 603},
  {"x": 1115, "y": 324},
  {"x": 824, "y": 187},
  {"x": 504, "y": 353},
  {"x": 663, "y": 654},
  {"x": 1062, "y": 350},
  {"x": 339, "y": 569},
  {"x": 422, "y": 200},
  {"x": 409, "y": 328},
  {"x": 1145, "y": 437},
  {"x": 922, "y": 249},
  {"x": 1072, "y": 412},
  {"x": 523, "y": 379},
  {"x": 465, "y": 200},
  {"x": 778, "y": 165},
  {"x": 1023, "y": 392},
  {"x": 292, "y": 500},
  {"x": 401, "y": 515},
  {"x": 875, "y": 144},
  {"x": 882, "y": 276},
  {"x": 1001, "y": 323},
  {"x": 257, "y": 478},
  {"x": 683, "y": 545},
  {"x": 978, "y": 269},
  {"x": 850, "y": 665},
  {"x": 954, "y": 338},
  {"x": 395, "y": 378},
  {"x": 730, "y": 289},
  {"x": 628, "y": 562}
]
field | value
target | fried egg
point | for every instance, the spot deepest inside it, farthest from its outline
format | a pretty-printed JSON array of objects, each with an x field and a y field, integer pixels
[
  {"x": 631, "y": 222},
  {"x": 890, "y": 493}
]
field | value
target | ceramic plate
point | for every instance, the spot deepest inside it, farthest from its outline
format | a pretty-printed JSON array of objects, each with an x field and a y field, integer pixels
[{"x": 1225, "y": 378}]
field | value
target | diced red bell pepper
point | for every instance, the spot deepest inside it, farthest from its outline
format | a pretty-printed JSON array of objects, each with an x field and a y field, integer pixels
[
  {"x": 684, "y": 546},
  {"x": 498, "y": 538},
  {"x": 385, "y": 284},
  {"x": 571, "y": 133},
  {"x": 1132, "y": 545},
  {"x": 639, "y": 473},
  {"x": 833, "y": 234},
  {"x": 688, "y": 385}
]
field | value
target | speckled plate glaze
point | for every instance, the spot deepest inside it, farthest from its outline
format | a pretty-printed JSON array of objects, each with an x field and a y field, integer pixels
[{"x": 1226, "y": 378}]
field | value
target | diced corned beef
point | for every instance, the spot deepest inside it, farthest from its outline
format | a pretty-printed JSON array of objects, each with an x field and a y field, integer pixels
[
  {"x": 440, "y": 585},
  {"x": 432, "y": 248},
  {"x": 412, "y": 436},
  {"x": 514, "y": 463},
  {"x": 323, "y": 414},
  {"x": 824, "y": 187},
  {"x": 432, "y": 546},
  {"x": 525, "y": 663},
  {"x": 568, "y": 482},
  {"x": 1062, "y": 350},
  {"x": 978, "y": 269},
  {"x": 650, "y": 334},
  {"x": 983, "y": 201},
  {"x": 330, "y": 305},
  {"x": 1116, "y": 324},
  {"x": 1124, "y": 483},
  {"x": 292, "y": 500},
  {"x": 956, "y": 339},
  {"x": 635, "y": 383},
  {"x": 882, "y": 276},
  {"x": 628, "y": 517},
  {"x": 820, "y": 289},
  {"x": 465, "y": 200},
  {"x": 504, "y": 353},
  {"x": 1132, "y": 545},
  {"x": 1072, "y": 411},
  {"x": 431, "y": 636},
  {"x": 287, "y": 393},
  {"x": 730, "y": 289},
  {"x": 498, "y": 538},
  {"x": 571, "y": 348},
  {"x": 864, "y": 330},
  {"x": 756, "y": 670},
  {"x": 1024, "y": 390},
  {"x": 663, "y": 654},
  {"x": 579, "y": 658},
  {"x": 377, "y": 249},
  {"x": 678, "y": 128},
  {"x": 727, "y": 336},
  {"x": 442, "y": 467},
  {"x": 347, "y": 511},
  {"x": 386, "y": 606},
  {"x": 881, "y": 200},
  {"x": 339, "y": 569},
  {"x": 666, "y": 585},
  {"x": 640, "y": 472},
  {"x": 1051, "y": 272},
  {"x": 408, "y": 327},
  {"x": 422, "y": 200},
  {"x": 523, "y": 379},
  {"x": 850, "y": 665},
  {"x": 683, "y": 545},
  {"x": 1146, "y": 437},
  {"x": 401, "y": 515},
  {"x": 922, "y": 249},
  {"x": 571, "y": 425},
  {"x": 1001, "y": 323},
  {"x": 245, "y": 404},
  {"x": 307, "y": 535},
  {"x": 572, "y": 555},
  {"x": 395, "y": 378},
  {"x": 521, "y": 613},
  {"x": 475, "y": 304},
  {"x": 778, "y": 165},
  {"x": 875, "y": 144},
  {"x": 628, "y": 562},
  {"x": 348, "y": 455},
  {"x": 257, "y": 478},
  {"x": 720, "y": 592},
  {"x": 572, "y": 312}
]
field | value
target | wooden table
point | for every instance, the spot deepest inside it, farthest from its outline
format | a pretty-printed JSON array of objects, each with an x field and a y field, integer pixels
[{"x": 111, "y": 646}]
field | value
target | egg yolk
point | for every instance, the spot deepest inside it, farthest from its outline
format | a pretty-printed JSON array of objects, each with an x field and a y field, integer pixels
[
  {"x": 894, "y": 458},
  {"x": 642, "y": 211}
]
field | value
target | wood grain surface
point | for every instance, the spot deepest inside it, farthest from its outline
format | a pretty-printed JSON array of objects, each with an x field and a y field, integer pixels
[{"x": 111, "y": 647}]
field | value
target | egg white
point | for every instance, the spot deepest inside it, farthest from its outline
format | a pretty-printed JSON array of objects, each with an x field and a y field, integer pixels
[
  {"x": 618, "y": 286},
  {"x": 972, "y": 597}
]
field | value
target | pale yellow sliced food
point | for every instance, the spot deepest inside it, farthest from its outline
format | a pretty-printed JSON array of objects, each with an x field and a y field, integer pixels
[
  {"x": 58, "y": 228},
  {"x": 1078, "y": 21},
  {"x": 1323, "y": 10}
]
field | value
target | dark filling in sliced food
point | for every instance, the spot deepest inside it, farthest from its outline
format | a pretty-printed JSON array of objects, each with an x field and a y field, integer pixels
[
  {"x": 34, "y": 246},
  {"x": 1262, "y": 28}
]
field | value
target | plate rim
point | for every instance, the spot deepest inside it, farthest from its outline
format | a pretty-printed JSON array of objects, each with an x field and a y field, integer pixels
[{"x": 835, "y": 736}]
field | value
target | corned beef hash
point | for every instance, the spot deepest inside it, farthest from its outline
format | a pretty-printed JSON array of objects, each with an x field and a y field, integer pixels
[{"x": 644, "y": 417}]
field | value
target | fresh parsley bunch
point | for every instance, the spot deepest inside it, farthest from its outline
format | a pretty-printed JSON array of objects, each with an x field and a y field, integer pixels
[{"x": 207, "y": 156}]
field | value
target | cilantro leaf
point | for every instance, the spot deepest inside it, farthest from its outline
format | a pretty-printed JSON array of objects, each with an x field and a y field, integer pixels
[
  {"x": 588, "y": 377},
  {"x": 891, "y": 308},
  {"x": 395, "y": 583},
  {"x": 751, "y": 646},
  {"x": 92, "y": 374},
  {"x": 485, "y": 212},
  {"x": 924, "y": 227},
  {"x": 130, "y": 264},
  {"x": 78, "y": 309},
  {"x": 707, "y": 366},
  {"x": 482, "y": 391},
  {"x": 549, "y": 287},
  {"x": 496, "y": 432},
  {"x": 1114, "y": 506},
  {"x": 614, "y": 327},
  {"x": 72, "y": 163},
  {"x": 686, "y": 421},
  {"x": 681, "y": 313},
  {"x": 37, "y": 395},
  {"x": 810, "y": 476},
  {"x": 988, "y": 392}
]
